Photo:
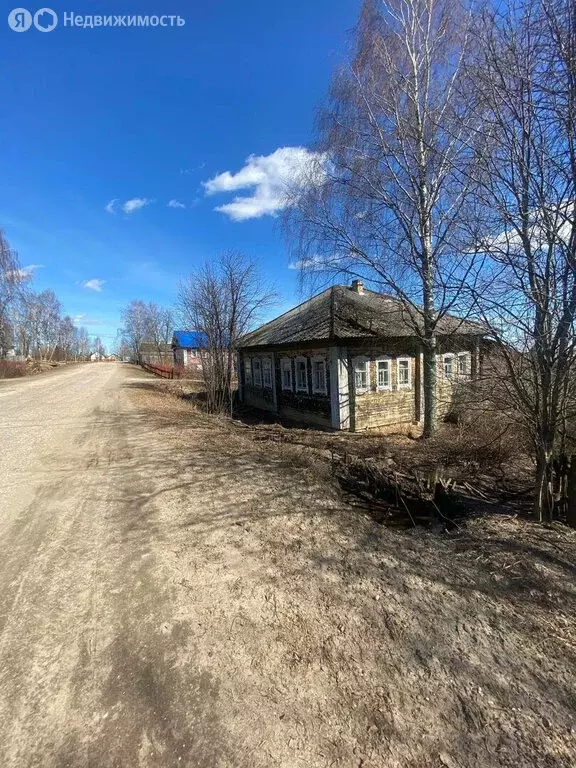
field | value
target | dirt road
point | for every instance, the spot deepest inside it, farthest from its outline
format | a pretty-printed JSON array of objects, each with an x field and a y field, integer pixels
[
  {"x": 88, "y": 673},
  {"x": 175, "y": 593}
]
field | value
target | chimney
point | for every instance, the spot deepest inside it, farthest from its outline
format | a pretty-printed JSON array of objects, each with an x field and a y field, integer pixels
[{"x": 358, "y": 287}]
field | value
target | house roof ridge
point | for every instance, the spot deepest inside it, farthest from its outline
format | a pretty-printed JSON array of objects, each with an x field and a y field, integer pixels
[
  {"x": 288, "y": 312},
  {"x": 340, "y": 312}
]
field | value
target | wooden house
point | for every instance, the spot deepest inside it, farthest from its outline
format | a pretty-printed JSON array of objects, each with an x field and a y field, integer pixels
[
  {"x": 187, "y": 347},
  {"x": 349, "y": 359}
]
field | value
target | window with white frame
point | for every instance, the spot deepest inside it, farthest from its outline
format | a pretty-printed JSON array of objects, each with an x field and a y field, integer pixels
[
  {"x": 248, "y": 371},
  {"x": 267, "y": 372},
  {"x": 319, "y": 375},
  {"x": 403, "y": 373},
  {"x": 301, "y": 374},
  {"x": 361, "y": 374},
  {"x": 257, "y": 372},
  {"x": 448, "y": 363},
  {"x": 286, "y": 368},
  {"x": 193, "y": 353},
  {"x": 383, "y": 380},
  {"x": 464, "y": 364}
]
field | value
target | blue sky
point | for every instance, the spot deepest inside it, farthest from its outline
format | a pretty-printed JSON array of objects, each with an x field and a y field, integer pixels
[{"x": 133, "y": 118}]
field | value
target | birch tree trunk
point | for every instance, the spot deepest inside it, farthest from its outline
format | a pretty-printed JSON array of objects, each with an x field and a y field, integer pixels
[
  {"x": 385, "y": 195},
  {"x": 525, "y": 223}
]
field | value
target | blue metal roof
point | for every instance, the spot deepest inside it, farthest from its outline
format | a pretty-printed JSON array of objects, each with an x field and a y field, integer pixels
[{"x": 188, "y": 339}]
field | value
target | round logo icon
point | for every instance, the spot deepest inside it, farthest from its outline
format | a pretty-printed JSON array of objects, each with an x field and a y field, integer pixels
[
  {"x": 20, "y": 20},
  {"x": 45, "y": 20}
]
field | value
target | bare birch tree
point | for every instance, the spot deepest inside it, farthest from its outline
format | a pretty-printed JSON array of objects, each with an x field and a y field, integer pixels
[
  {"x": 134, "y": 328},
  {"x": 99, "y": 348},
  {"x": 525, "y": 215},
  {"x": 386, "y": 198},
  {"x": 159, "y": 325},
  {"x": 221, "y": 301},
  {"x": 146, "y": 322},
  {"x": 10, "y": 278},
  {"x": 50, "y": 312},
  {"x": 31, "y": 323},
  {"x": 83, "y": 341}
]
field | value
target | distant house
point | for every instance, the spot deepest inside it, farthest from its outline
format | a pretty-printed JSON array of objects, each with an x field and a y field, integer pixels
[
  {"x": 349, "y": 359},
  {"x": 152, "y": 353},
  {"x": 186, "y": 349}
]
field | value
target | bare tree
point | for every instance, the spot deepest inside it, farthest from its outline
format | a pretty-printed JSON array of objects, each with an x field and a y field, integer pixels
[
  {"x": 50, "y": 310},
  {"x": 83, "y": 341},
  {"x": 525, "y": 217},
  {"x": 10, "y": 279},
  {"x": 37, "y": 323},
  {"x": 67, "y": 335},
  {"x": 134, "y": 328},
  {"x": 221, "y": 301},
  {"x": 98, "y": 347},
  {"x": 31, "y": 323},
  {"x": 384, "y": 201},
  {"x": 146, "y": 322},
  {"x": 159, "y": 325}
]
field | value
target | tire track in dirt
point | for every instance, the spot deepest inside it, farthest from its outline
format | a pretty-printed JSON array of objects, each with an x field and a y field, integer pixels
[{"x": 92, "y": 670}]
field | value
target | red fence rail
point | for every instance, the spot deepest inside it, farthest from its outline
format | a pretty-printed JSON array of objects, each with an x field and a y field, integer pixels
[{"x": 163, "y": 371}]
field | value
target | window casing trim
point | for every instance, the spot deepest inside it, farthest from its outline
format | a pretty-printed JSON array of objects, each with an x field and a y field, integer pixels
[
  {"x": 267, "y": 372},
  {"x": 361, "y": 360},
  {"x": 248, "y": 377},
  {"x": 383, "y": 387},
  {"x": 404, "y": 384},
  {"x": 298, "y": 360},
  {"x": 286, "y": 365},
  {"x": 257, "y": 371},
  {"x": 467, "y": 358},
  {"x": 319, "y": 390},
  {"x": 453, "y": 373}
]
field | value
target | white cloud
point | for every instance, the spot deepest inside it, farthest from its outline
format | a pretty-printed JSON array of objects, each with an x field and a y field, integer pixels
[
  {"x": 175, "y": 204},
  {"x": 190, "y": 171},
  {"x": 95, "y": 284},
  {"x": 271, "y": 177},
  {"x": 312, "y": 263},
  {"x": 129, "y": 206},
  {"x": 135, "y": 204},
  {"x": 555, "y": 221},
  {"x": 86, "y": 320},
  {"x": 318, "y": 263}
]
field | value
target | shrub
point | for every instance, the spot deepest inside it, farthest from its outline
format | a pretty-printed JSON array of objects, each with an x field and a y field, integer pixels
[
  {"x": 485, "y": 438},
  {"x": 11, "y": 370}
]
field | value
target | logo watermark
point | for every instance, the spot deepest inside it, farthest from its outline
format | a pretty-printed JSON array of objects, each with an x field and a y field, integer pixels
[
  {"x": 20, "y": 20},
  {"x": 45, "y": 20}
]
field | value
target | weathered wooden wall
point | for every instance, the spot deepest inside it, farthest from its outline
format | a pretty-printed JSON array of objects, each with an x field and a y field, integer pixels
[
  {"x": 395, "y": 407},
  {"x": 309, "y": 406},
  {"x": 398, "y": 407},
  {"x": 401, "y": 407},
  {"x": 384, "y": 408},
  {"x": 183, "y": 358}
]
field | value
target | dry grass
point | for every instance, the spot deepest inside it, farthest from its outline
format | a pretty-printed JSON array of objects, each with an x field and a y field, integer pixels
[
  {"x": 338, "y": 642},
  {"x": 11, "y": 370}
]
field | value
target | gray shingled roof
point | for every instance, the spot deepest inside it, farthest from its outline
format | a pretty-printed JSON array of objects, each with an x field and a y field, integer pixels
[
  {"x": 151, "y": 348},
  {"x": 341, "y": 312}
]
